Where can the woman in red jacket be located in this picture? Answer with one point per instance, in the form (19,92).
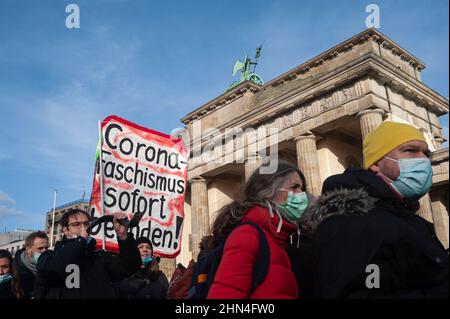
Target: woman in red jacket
(274,202)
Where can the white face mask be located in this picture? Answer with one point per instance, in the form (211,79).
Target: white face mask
(71,236)
(36,256)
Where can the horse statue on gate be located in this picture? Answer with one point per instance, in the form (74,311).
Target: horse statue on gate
(245,68)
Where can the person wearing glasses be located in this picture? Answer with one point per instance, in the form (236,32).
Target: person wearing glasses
(76,270)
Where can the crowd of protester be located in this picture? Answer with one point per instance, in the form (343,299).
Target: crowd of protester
(360,238)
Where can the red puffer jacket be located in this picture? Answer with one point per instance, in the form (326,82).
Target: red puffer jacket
(234,275)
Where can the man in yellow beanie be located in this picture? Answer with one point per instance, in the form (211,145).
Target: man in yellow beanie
(399,154)
(368,241)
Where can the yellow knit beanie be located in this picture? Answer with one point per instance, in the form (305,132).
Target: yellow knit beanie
(386,138)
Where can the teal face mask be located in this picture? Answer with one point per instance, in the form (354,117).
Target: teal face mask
(147,260)
(5,278)
(415,177)
(295,206)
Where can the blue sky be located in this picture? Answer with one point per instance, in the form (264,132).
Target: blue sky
(152,62)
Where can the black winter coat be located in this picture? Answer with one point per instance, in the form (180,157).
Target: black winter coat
(360,222)
(98,269)
(5,291)
(300,251)
(144,284)
(301,265)
(26,276)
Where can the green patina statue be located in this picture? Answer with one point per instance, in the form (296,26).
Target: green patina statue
(246,73)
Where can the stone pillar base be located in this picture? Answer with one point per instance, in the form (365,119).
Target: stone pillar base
(425,208)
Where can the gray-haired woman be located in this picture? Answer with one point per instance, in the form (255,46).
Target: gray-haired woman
(273,202)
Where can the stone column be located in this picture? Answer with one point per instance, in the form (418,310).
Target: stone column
(308,162)
(167,266)
(369,120)
(440,217)
(252,163)
(425,208)
(199,212)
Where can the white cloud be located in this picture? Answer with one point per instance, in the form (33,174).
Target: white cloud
(58,130)
(10,212)
(60,134)
(12,216)
(6,198)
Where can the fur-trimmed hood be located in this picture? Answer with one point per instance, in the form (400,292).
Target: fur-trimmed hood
(342,201)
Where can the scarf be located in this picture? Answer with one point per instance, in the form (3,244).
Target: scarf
(28,262)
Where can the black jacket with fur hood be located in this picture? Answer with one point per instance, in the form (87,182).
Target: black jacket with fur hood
(360,227)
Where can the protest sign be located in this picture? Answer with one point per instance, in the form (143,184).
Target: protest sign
(140,171)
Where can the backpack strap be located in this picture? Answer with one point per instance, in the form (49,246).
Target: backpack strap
(210,262)
(205,270)
(262,263)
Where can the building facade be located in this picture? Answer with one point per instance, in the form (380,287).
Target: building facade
(13,241)
(59,211)
(315,115)
(10,236)
(14,246)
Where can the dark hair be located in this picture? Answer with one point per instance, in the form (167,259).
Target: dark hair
(15,287)
(206,245)
(258,189)
(303,179)
(64,222)
(29,241)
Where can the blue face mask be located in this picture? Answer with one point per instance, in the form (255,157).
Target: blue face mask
(5,278)
(295,206)
(36,256)
(415,177)
(147,260)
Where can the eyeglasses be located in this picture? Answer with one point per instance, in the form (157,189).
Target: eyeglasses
(78,224)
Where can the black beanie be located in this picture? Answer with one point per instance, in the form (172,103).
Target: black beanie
(144,240)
